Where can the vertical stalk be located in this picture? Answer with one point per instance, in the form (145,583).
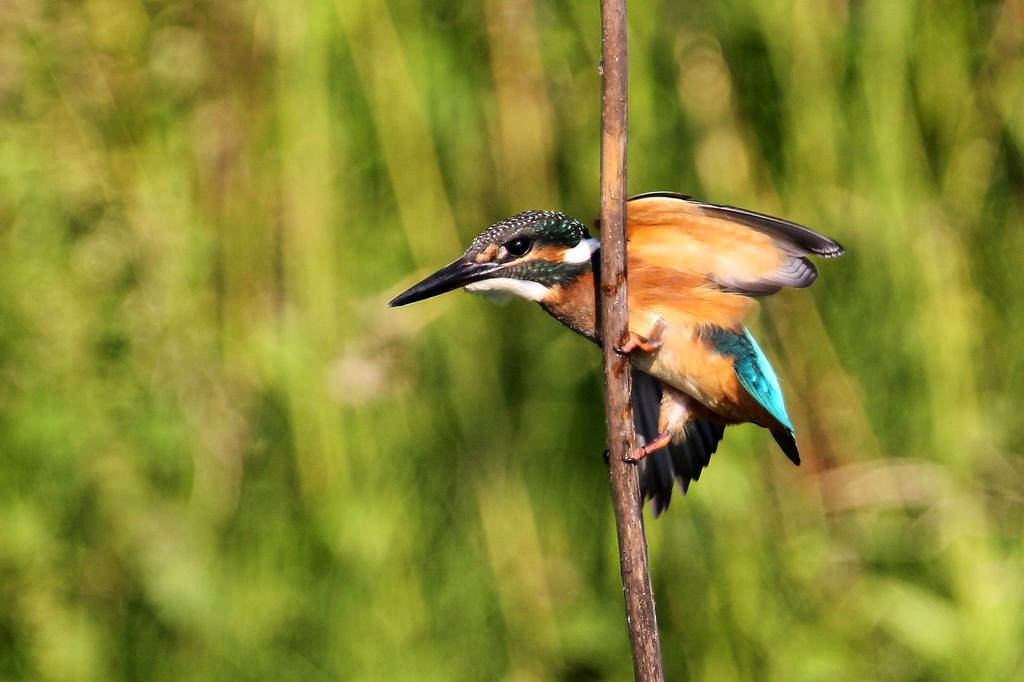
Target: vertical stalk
(636,578)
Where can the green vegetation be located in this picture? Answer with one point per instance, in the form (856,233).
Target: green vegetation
(222,456)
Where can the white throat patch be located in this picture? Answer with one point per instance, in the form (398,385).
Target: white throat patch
(582,252)
(502,289)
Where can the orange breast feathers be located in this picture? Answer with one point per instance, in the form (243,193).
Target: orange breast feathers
(686,362)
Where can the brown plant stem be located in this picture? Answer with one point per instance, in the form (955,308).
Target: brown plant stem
(636,579)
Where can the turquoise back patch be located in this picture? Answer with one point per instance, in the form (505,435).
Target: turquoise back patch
(753,370)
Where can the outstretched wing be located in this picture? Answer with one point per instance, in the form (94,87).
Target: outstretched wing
(677,462)
(736,250)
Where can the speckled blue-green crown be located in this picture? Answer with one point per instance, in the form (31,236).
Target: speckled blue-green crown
(549,227)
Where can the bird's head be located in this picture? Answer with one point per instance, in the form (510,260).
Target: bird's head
(527,255)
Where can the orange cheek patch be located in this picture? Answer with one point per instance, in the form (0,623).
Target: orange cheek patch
(488,254)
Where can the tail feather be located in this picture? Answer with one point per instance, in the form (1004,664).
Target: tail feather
(787,441)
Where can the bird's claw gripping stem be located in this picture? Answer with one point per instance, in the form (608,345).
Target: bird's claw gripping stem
(639,453)
(647,344)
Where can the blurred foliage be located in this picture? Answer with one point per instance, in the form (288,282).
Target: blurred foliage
(222,456)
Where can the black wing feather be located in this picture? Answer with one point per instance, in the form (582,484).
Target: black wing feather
(656,473)
(676,463)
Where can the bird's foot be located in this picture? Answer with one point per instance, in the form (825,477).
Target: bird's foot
(660,441)
(647,344)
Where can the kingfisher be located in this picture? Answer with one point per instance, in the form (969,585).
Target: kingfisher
(693,272)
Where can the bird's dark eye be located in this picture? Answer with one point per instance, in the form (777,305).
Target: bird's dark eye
(519,246)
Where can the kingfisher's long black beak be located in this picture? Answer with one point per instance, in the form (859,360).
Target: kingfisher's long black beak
(452,276)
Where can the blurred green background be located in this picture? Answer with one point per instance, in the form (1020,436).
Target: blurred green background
(223,457)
